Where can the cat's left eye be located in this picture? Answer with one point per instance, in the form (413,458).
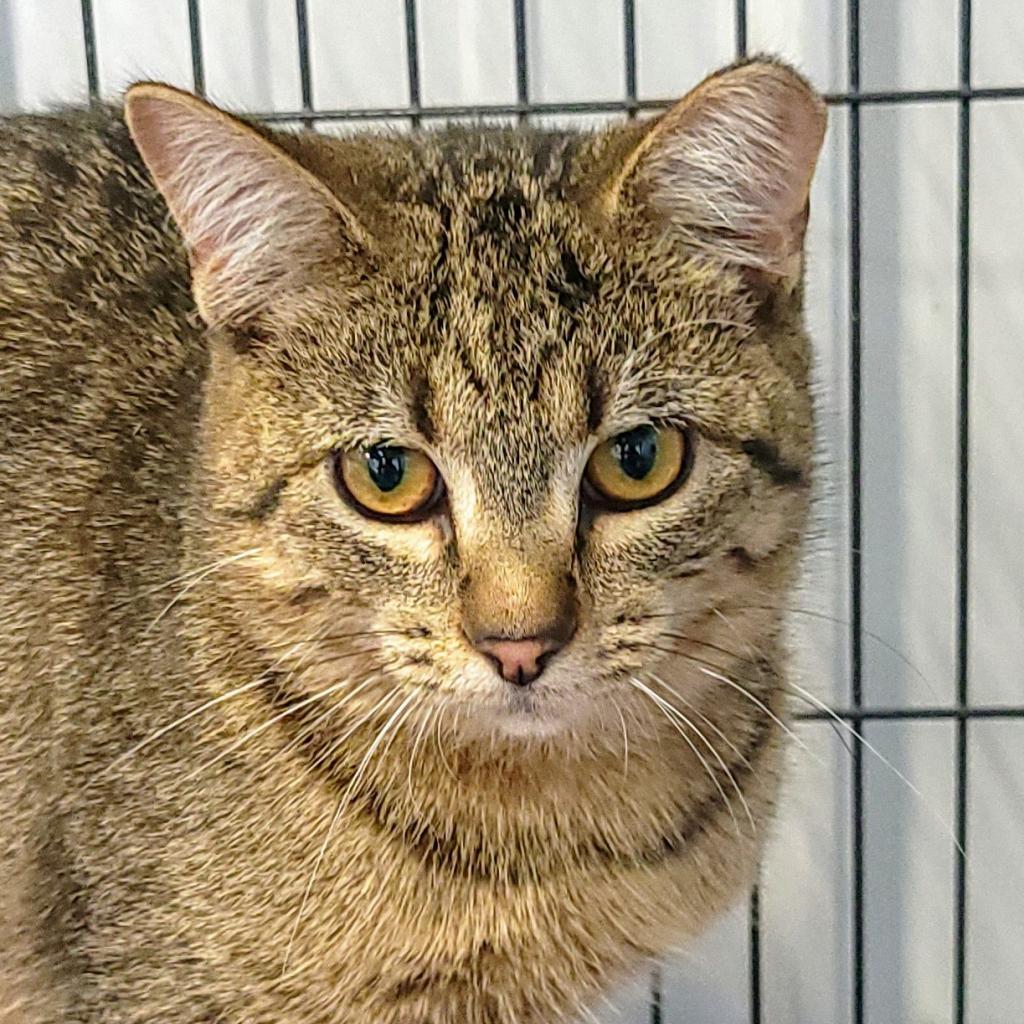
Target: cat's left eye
(639,467)
(389,482)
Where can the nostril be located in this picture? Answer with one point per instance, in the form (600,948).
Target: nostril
(518,661)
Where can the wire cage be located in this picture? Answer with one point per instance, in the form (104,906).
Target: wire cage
(857,710)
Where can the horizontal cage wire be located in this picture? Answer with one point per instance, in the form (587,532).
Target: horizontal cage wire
(856,713)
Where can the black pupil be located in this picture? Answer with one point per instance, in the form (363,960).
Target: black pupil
(386,466)
(636,451)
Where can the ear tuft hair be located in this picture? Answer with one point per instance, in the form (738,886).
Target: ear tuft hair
(255,221)
(729,166)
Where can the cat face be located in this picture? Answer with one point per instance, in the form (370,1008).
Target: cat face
(508,421)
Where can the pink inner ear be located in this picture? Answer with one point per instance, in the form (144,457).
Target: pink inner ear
(205,245)
(255,221)
(731,165)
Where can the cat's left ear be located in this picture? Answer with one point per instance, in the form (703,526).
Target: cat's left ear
(729,168)
(255,222)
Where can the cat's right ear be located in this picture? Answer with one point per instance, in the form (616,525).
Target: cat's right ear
(255,222)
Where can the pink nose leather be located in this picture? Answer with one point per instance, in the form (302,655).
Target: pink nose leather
(519,661)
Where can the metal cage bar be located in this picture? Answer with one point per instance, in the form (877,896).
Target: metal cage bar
(754,908)
(195,45)
(92,74)
(417,113)
(740,25)
(629,53)
(856,513)
(412,56)
(522,68)
(963,509)
(305,66)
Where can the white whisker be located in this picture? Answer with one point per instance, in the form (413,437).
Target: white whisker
(393,720)
(859,737)
(707,721)
(253,733)
(625,743)
(421,732)
(714,753)
(318,721)
(440,745)
(197,577)
(758,703)
(674,718)
(153,737)
(164,730)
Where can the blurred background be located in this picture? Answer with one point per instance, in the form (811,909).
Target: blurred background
(909,620)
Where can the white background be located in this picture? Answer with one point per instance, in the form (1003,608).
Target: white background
(909,343)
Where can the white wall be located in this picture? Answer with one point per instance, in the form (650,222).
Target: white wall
(909,338)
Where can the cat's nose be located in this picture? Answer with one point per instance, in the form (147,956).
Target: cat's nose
(519,661)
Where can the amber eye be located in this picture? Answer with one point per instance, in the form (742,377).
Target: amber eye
(388,482)
(638,468)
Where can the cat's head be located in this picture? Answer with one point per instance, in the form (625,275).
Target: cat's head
(499,420)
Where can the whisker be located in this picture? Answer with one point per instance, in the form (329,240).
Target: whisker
(859,737)
(813,614)
(197,578)
(701,667)
(734,654)
(153,737)
(764,707)
(332,824)
(707,721)
(262,728)
(311,727)
(336,637)
(668,711)
(164,730)
(394,718)
(353,727)
(625,742)
(714,752)
(149,591)
(752,656)
(440,745)
(828,721)
(415,747)
(835,721)
(874,637)
(717,648)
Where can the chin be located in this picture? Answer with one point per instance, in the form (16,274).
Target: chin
(518,724)
(526,715)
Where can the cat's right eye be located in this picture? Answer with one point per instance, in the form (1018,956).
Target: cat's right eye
(388,482)
(639,467)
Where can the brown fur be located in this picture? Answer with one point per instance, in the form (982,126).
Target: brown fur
(504,314)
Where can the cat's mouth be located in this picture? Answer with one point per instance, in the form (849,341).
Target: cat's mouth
(522,712)
(521,702)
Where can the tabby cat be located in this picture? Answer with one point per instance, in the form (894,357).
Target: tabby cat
(394,534)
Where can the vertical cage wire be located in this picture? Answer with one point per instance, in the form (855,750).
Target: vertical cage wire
(856,511)
(305,68)
(92,74)
(754,910)
(195,44)
(629,54)
(522,72)
(853,98)
(412,56)
(740,26)
(963,506)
